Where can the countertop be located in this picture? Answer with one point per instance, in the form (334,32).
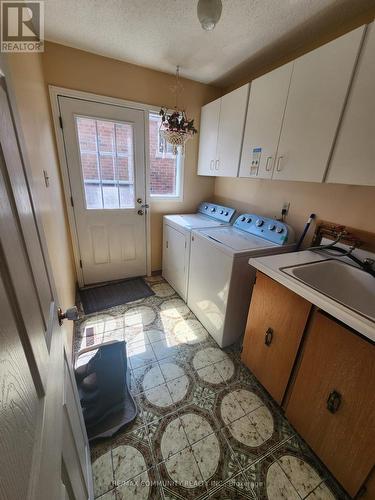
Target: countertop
(271,267)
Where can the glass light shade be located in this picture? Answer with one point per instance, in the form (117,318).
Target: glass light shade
(209,12)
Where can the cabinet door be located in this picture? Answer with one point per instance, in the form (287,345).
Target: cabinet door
(316,99)
(174,259)
(337,367)
(354,154)
(268,96)
(209,126)
(231,127)
(276,321)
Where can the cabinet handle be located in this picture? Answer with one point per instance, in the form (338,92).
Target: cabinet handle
(333,401)
(268,161)
(211,164)
(268,337)
(217,165)
(278,168)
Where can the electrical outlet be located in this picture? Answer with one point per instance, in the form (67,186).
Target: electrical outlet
(285,209)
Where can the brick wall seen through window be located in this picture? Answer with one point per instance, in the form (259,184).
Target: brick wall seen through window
(164,166)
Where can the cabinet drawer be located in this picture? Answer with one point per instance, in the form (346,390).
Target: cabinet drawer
(332,403)
(276,321)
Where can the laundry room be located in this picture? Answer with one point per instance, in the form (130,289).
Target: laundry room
(187,249)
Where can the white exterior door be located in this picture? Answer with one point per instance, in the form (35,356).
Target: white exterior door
(104,146)
(44,451)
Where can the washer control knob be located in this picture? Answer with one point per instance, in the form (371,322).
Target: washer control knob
(279,229)
(205,207)
(272,227)
(213,209)
(226,214)
(248,220)
(259,223)
(243,219)
(221,212)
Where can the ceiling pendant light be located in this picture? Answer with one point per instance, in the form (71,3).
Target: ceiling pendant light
(209,12)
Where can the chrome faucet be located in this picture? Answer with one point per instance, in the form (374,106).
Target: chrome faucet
(330,248)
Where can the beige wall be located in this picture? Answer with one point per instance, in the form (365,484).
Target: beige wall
(350,205)
(26,82)
(79,70)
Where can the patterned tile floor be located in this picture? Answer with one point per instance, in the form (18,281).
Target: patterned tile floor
(206,428)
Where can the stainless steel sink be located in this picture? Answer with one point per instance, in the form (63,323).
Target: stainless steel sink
(342,282)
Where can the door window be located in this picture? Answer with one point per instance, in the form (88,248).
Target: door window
(107,162)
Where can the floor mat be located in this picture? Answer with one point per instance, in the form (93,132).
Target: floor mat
(114,294)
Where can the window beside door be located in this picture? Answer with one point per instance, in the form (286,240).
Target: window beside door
(107,162)
(165,168)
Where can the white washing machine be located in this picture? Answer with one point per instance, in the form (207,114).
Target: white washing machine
(220,277)
(176,240)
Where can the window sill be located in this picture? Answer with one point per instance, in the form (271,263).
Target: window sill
(164,197)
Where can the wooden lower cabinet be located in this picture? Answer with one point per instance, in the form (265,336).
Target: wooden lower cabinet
(275,325)
(332,403)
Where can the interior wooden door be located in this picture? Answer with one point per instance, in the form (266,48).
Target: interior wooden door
(338,367)
(36,459)
(276,321)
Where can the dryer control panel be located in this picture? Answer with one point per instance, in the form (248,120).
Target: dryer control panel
(218,212)
(270,229)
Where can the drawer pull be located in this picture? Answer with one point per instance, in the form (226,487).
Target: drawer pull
(334,402)
(269,336)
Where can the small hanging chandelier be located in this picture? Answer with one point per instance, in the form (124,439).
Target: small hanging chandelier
(175,127)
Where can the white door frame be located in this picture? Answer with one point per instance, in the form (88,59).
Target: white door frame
(54,93)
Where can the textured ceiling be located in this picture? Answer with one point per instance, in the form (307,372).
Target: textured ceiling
(161,34)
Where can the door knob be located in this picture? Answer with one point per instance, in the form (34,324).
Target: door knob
(139,200)
(71,314)
(140,212)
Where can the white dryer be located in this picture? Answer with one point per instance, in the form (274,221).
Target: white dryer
(220,278)
(176,240)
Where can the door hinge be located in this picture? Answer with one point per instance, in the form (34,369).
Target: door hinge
(80,263)
(61,122)
(166,244)
(71,201)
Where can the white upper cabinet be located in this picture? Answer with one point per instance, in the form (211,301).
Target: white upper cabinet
(231,126)
(268,96)
(221,133)
(353,160)
(209,126)
(317,94)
